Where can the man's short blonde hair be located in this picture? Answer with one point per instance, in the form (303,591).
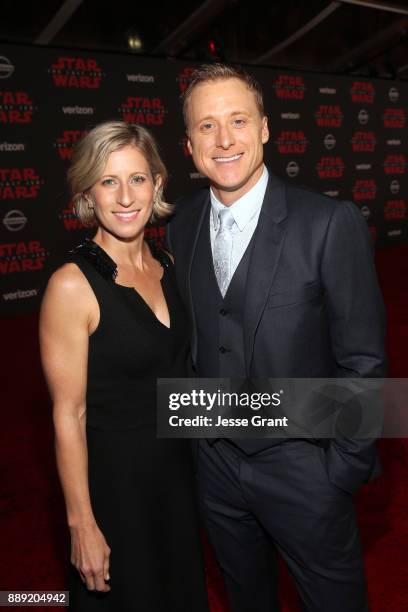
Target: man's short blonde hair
(90,158)
(207,73)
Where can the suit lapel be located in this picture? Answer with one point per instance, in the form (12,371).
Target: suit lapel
(267,245)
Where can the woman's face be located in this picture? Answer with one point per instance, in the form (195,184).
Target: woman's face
(123,196)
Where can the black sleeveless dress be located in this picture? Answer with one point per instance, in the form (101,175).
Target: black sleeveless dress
(141,487)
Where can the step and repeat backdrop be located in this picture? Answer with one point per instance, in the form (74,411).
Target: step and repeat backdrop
(341,136)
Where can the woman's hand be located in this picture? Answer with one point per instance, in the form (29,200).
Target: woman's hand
(90,555)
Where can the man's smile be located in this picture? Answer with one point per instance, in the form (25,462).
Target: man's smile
(230,158)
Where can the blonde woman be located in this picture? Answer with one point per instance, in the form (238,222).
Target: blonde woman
(111,323)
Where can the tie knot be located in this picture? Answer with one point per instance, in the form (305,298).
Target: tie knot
(226,219)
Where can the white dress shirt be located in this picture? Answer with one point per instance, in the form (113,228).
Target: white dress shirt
(246,212)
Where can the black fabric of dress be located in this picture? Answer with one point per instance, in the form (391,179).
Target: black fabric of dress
(142,487)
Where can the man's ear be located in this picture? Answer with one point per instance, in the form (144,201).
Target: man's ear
(265,130)
(189,147)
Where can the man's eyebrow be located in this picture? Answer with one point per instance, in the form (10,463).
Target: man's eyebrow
(207,118)
(212,118)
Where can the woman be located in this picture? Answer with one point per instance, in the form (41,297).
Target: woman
(111,323)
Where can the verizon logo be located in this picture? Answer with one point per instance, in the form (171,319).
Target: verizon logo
(18,295)
(77,110)
(140,78)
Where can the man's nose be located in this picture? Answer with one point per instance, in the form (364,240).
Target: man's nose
(225,136)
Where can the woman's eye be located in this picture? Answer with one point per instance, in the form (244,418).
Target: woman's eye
(138,179)
(108,181)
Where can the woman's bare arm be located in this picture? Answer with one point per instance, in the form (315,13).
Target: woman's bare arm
(69,314)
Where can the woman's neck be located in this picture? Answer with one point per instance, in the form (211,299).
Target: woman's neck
(123,252)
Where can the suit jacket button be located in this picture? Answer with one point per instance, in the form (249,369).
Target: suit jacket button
(223,349)
(223,312)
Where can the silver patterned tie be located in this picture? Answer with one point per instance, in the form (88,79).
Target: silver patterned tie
(223,250)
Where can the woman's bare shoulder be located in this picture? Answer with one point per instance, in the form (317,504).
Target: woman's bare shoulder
(68,283)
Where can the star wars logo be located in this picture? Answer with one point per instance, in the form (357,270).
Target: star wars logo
(16,107)
(70,220)
(394,118)
(395,164)
(289,87)
(395,210)
(184,77)
(65,143)
(329,115)
(362,92)
(364,189)
(146,111)
(76,72)
(156,233)
(363,142)
(19,183)
(22,257)
(292,142)
(330,167)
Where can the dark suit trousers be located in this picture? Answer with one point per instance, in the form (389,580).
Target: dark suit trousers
(280,499)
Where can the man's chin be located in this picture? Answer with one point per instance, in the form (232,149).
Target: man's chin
(228,187)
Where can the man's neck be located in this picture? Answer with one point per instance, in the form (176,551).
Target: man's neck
(228,198)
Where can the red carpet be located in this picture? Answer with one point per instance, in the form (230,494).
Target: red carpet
(34,539)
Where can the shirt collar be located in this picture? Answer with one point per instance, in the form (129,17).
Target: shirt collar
(246,207)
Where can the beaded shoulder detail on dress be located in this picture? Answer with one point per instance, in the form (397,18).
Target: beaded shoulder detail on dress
(96,256)
(162,257)
(105,265)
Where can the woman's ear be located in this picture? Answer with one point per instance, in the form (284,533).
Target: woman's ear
(158,183)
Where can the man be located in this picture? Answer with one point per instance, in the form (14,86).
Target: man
(280,283)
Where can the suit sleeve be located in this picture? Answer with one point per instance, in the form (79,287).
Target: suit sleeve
(354,302)
(357,328)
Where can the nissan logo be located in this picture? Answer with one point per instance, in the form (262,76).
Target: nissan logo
(292,169)
(363,116)
(329,141)
(14,220)
(394,187)
(393,94)
(6,67)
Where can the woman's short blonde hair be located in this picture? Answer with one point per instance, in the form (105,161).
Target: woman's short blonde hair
(91,155)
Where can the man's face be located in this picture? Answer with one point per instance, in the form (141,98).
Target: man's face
(226,134)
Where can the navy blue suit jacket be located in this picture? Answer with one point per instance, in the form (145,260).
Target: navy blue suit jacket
(313,307)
